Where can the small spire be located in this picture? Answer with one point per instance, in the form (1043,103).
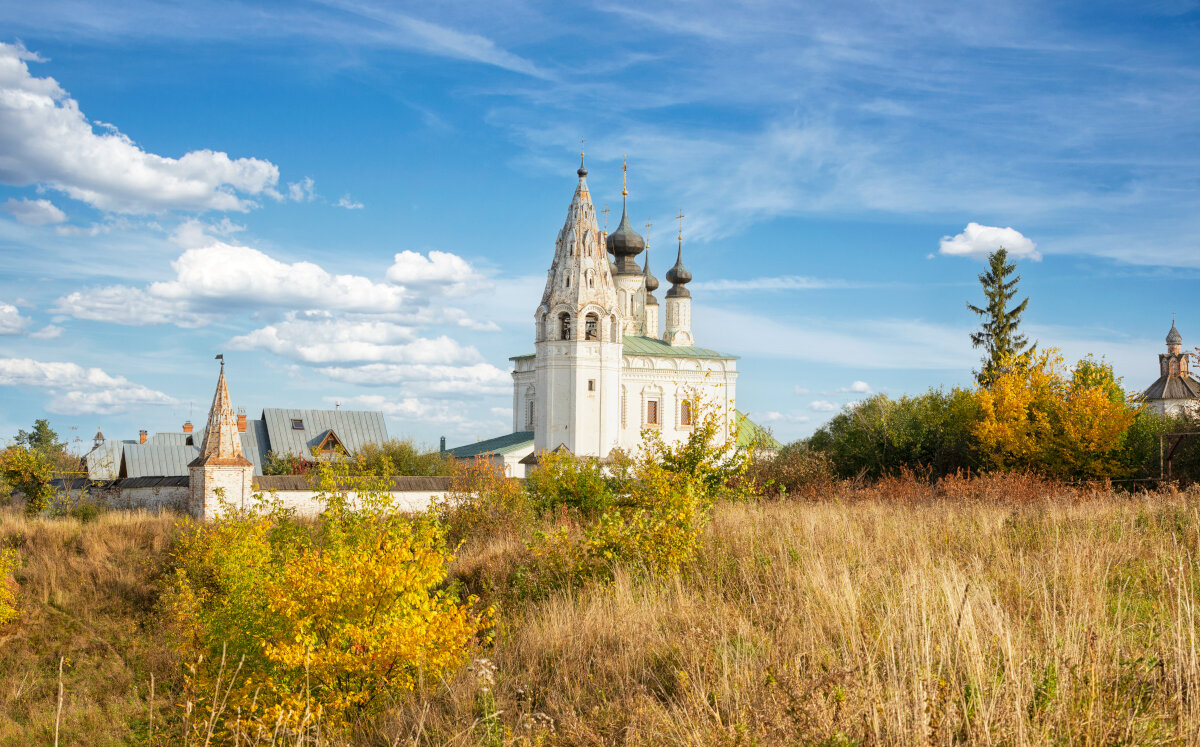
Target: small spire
(681,216)
(582,169)
(624,174)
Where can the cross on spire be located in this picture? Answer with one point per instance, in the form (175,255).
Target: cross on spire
(624,173)
(605,211)
(681,216)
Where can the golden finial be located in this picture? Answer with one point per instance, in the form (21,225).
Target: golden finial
(681,216)
(624,172)
(605,211)
(648,227)
(581,141)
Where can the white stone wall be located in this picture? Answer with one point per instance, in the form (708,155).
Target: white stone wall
(1175,407)
(651,326)
(306,504)
(173,498)
(577,385)
(669,381)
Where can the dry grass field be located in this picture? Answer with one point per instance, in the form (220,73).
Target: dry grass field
(985,612)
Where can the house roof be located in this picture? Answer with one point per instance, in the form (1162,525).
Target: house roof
(354,428)
(156,460)
(1175,386)
(498,445)
(104,461)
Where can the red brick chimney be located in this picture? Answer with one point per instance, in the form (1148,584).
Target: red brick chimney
(241,420)
(141,437)
(188,427)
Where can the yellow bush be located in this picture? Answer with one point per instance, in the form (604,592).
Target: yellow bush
(8,586)
(311,623)
(1037,414)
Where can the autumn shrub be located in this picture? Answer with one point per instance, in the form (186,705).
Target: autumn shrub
(797,470)
(1038,414)
(29,471)
(316,622)
(8,585)
(275,463)
(483,503)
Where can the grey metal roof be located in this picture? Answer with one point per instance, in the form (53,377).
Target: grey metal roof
(168,481)
(175,439)
(1173,387)
(155,460)
(497,445)
(255,444)
(355,429)
(104,461)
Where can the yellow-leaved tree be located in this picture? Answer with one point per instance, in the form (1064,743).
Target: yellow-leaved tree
(300,625)
(1036,413)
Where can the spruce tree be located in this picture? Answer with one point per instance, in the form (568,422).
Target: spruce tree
(998,334)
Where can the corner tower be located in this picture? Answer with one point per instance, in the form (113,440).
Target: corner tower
(578,339)
(679,299)
(221,470)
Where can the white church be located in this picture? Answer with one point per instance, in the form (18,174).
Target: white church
(605,367)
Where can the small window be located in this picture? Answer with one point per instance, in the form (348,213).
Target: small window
(529,418)
(591,385)
(564,323)
(652,412)
(297,424)
(685,412)
(590,328)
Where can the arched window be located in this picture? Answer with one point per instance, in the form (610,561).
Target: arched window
(529,415)
(564,326)
(612,328)
(591,279)
(591,327)
(685,413)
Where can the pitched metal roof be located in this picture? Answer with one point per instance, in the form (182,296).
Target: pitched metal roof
(104,461)
(498,445)
(635,345)
(1173,387)
(174,439)
(751,433)
(255,444)
(156,460)
(355,429)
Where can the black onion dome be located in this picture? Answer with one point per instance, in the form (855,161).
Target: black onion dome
(651,281)
(679,276)
(625,244)
(1173,337)
(582,169)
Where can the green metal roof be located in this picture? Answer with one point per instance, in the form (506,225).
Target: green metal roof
(753,434)
(497,445)
(650,346)
(522,357)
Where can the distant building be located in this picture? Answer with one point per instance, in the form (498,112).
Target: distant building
(308,434)
(1175,392)
(602,371)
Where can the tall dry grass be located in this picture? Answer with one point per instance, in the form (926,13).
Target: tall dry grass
(989,621)
(87,597)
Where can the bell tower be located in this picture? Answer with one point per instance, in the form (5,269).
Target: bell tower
(578,339)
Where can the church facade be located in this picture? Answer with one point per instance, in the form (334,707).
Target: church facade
(606,365)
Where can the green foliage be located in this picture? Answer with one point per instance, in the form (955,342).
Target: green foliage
(8,585)
(403,456)
(998,334)
(308,622)
(41,438)
(275,463)
(562,481)
(880,435)
(29,471)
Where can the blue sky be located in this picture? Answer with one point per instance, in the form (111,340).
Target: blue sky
(357,202)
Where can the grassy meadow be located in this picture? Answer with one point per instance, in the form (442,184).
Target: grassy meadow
(986,611)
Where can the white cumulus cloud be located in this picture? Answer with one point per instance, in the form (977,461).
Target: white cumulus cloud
(858,387)
(449,272)
(345,201)
(75,390)
(347,341)
(11,321)
(34,212)
(822,405)
(978,241)
(46,139)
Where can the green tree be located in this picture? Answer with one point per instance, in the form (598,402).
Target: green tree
(42,438)
(998,334)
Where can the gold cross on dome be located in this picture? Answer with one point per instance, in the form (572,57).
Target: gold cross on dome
(605,211)
(681,216)
(581,141)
